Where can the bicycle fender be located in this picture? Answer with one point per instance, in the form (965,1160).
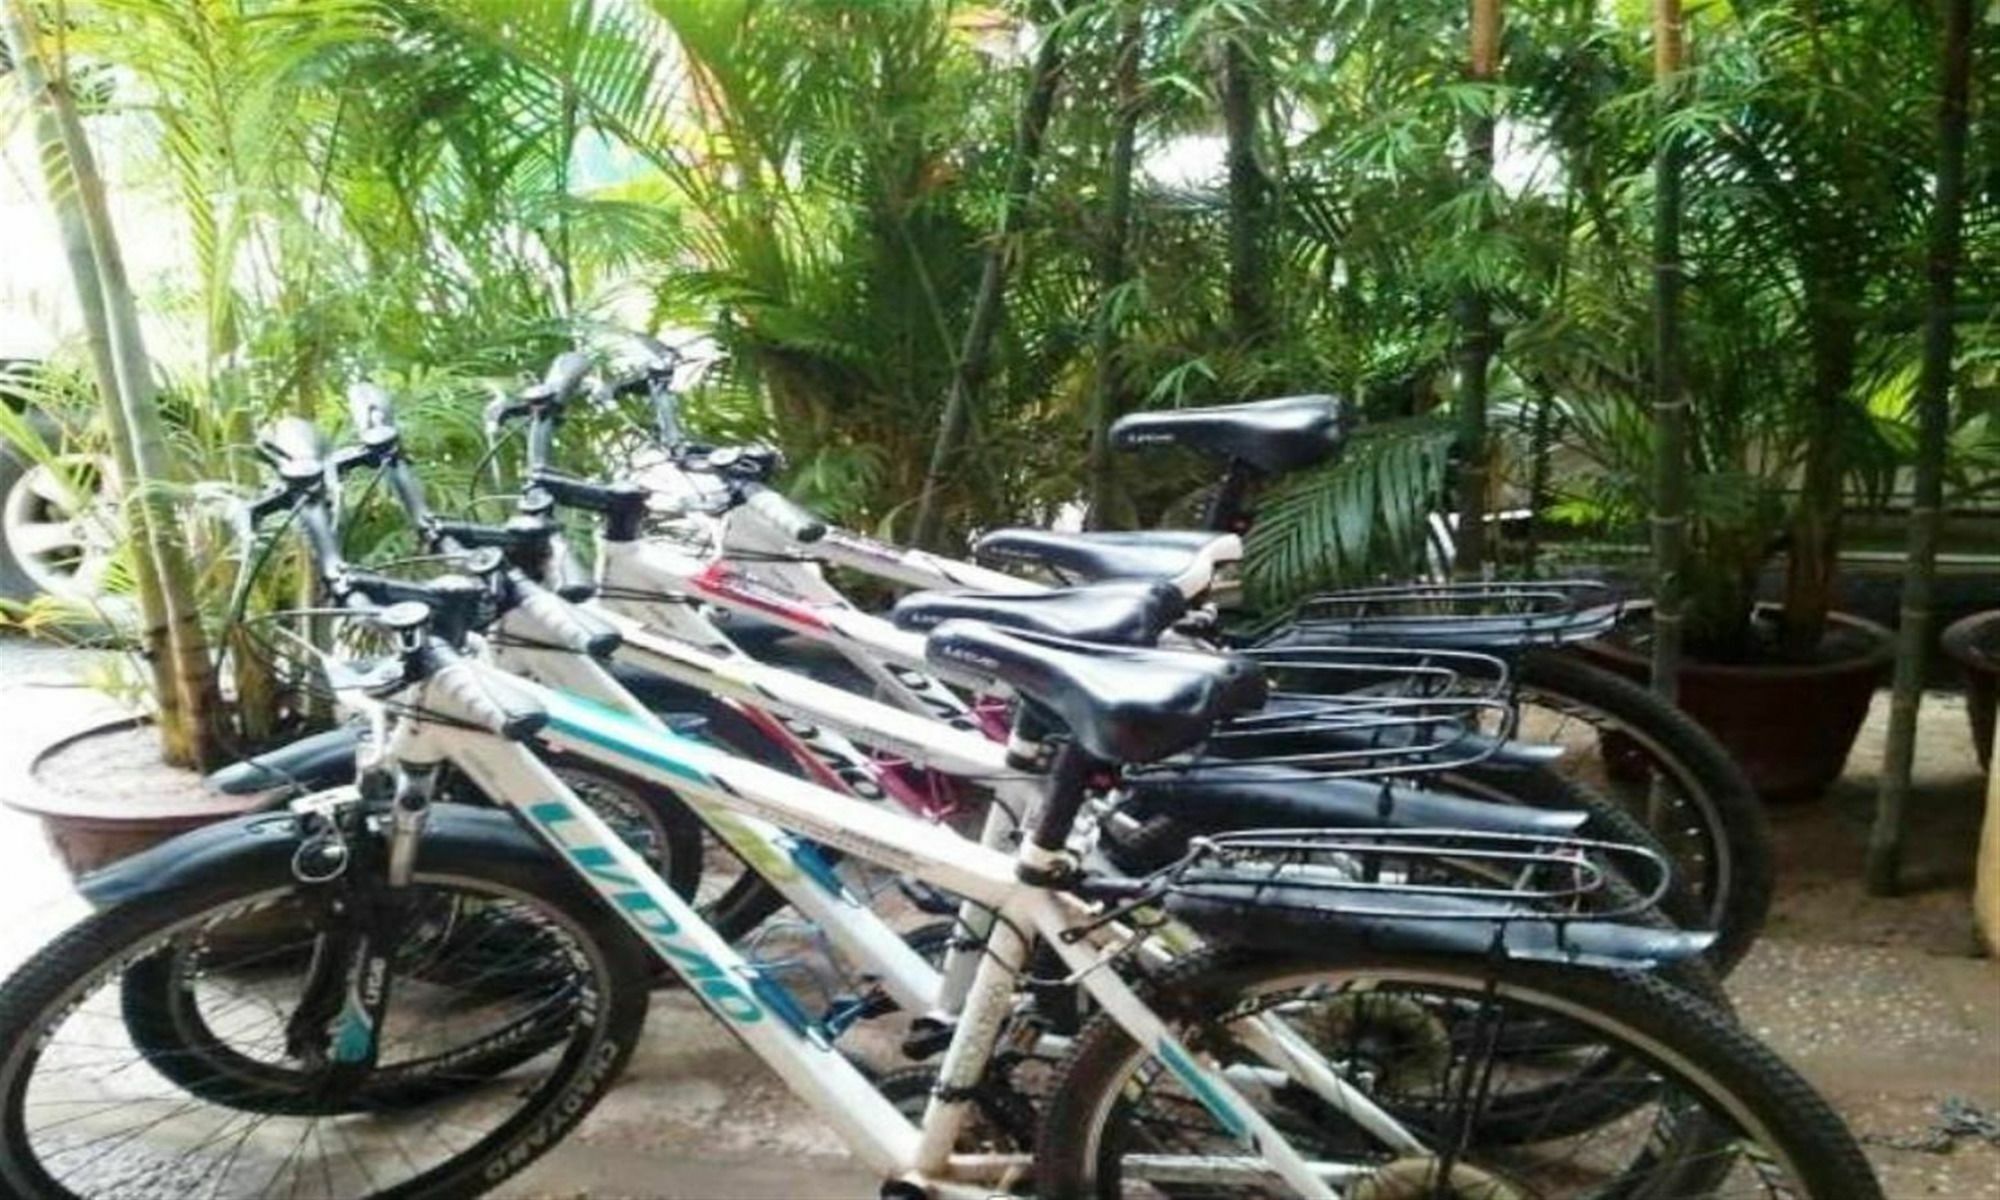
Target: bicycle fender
(310,764)
(1292,920)
(261,845)
(1211,799)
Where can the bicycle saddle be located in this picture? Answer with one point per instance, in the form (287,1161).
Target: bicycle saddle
(1186,559)
(1122,705)
(1122,614)
(1274,436)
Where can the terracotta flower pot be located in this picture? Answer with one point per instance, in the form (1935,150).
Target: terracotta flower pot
(1974,643)
(1790,725)
(138,805)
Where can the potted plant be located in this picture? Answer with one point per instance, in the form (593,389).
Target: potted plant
(1803,197)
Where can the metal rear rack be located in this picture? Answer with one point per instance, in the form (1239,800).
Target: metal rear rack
(1382,671)
(1438,874)
(1475,615)
(1353,736)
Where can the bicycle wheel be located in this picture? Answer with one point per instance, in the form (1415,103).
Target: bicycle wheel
(470,1085)
(471,948)
(1654,761)
(1722,1115)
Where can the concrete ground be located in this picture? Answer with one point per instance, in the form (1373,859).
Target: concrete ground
(1884,1004)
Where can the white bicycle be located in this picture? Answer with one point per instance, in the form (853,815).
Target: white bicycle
(1350,1031)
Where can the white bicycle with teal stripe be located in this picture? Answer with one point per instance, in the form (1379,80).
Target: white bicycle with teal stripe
(1329,1043)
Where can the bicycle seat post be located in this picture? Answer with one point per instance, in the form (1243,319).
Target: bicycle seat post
(1044,859)
(1228,511)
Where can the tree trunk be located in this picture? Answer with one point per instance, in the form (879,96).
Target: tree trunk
(1475,317)
(984,323)
(1108,394)
(1885,840)
(1249,283)
(189,702)
(1670,403)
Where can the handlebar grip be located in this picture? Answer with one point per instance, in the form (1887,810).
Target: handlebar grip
(370,408)
(568,576)
(565,376)
(484,697)
(795,522)
(298,450)
(575,629)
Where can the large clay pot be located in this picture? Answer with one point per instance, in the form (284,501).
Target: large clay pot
(1974,642)
(1789,725)
(90,831)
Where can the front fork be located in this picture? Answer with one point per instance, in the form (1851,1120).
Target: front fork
(355,864)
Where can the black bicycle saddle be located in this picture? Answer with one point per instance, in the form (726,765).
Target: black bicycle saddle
(1273,436)
(1185,558)
(1123,705)
(1121,614)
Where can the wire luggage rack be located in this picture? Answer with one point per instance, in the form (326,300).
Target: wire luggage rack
(1375,671)
(1362,712)
(1423,874)
(1479,614)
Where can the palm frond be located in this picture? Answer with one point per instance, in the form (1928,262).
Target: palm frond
(1357,518)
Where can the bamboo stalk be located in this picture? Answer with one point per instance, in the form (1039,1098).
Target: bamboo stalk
(1475,318)
(1913,633)
(983,325)
(57,179)
(1114,266)
(1249,282)
(189,701)
(1670,402)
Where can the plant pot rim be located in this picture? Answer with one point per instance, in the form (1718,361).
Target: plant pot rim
(1961,641)
(1879,654)
(24,791)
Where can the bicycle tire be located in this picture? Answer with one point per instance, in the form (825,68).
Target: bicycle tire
(1655,1024)
(163,1019)
(1544,788)
(55,986)
(1735,827)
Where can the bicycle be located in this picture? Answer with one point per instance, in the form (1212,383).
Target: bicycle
(1254,1103)
(766,544)
(1646,753)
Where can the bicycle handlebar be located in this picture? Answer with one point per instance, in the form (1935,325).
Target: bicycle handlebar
(567,574)
(795,522)
(485,698)
(371,409)
(576,630)
(294,447)
(562,380)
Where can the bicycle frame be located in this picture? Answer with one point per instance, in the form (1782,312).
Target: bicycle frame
(794,868)
(753,1006)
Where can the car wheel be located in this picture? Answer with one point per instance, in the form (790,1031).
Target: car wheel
(58,527)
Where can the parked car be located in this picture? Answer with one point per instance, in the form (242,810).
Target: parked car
(57,529)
